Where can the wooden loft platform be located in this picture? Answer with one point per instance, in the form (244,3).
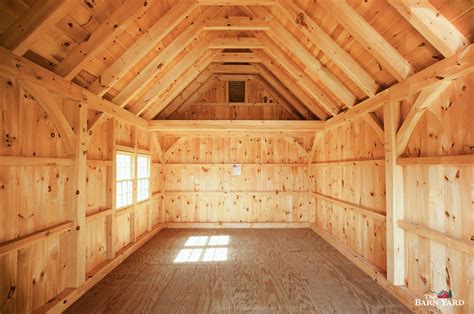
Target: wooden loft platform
(121,118)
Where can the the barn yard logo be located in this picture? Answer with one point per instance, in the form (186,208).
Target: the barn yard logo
(441,298)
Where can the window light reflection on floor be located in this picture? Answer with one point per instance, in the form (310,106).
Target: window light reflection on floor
(216,253)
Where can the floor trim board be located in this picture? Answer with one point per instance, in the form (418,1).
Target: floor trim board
(401,293)
(70,295)
(241,225)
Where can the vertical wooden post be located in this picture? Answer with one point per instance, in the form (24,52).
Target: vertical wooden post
(133,228)
(394,197)
(112,193)
(77,211)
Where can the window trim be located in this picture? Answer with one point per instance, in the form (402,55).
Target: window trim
(138,178)
(132,166)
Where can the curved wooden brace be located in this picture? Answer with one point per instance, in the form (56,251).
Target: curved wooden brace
(44,98)
(181,141)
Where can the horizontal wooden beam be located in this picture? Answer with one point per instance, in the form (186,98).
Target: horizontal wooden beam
(464,246)
(99,163)
(235,43)
(20,68)
(238,225)
(29,239)
(369,212)
(238,23)
(234,125)
(455,160)
(231,193)
(99,214)
(350,162)
(234,57)
(451,68)
(236,104)
(236,2)
(234,69)
(17,161)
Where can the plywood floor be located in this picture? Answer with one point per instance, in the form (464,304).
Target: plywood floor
(269,270)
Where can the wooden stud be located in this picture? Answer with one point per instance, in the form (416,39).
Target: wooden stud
(394,198)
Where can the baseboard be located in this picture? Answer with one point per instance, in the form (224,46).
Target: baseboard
(236,225)
(401,293)
(70,295)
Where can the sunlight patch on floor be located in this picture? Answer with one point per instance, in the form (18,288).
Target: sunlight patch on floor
(201,251)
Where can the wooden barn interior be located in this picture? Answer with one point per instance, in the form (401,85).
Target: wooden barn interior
(236,156)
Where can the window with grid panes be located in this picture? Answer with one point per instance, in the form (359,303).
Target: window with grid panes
(143,177)
(124,179)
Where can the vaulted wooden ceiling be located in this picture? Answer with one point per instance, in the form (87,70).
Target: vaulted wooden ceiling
(318,58)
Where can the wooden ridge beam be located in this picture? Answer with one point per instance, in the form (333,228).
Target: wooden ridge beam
(426,98)
(372,41)
(30,26)
(461,245)
(141,47)
(75,61)
(432,25)
(459,65)
(29,239)
(320,38)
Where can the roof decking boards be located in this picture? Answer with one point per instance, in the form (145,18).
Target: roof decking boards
(351,117)
(143,56)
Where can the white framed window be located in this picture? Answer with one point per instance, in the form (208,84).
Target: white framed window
(143,177)
(124,179)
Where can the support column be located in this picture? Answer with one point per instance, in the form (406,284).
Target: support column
(77,210)
(394,197)
(112,193)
